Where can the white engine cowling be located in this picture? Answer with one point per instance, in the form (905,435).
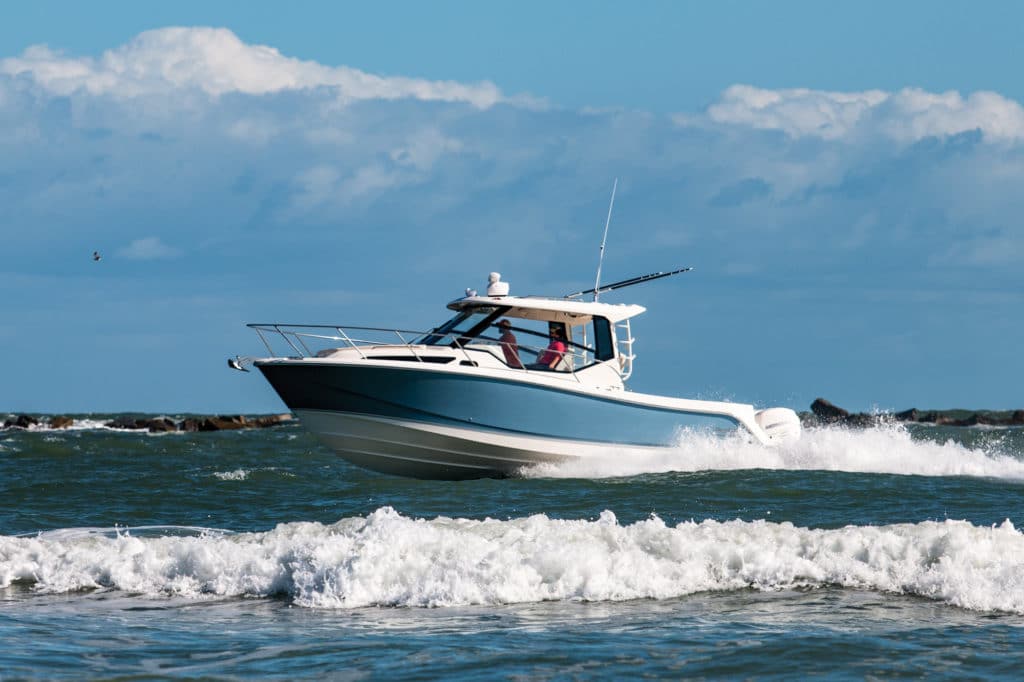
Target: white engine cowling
(780,423)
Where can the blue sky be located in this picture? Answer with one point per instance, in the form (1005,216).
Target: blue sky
(844,178)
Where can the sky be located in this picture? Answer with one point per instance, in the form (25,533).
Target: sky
(844,178)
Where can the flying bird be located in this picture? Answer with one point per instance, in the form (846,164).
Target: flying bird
(96,255)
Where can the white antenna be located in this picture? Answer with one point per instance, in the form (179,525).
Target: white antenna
(600,258)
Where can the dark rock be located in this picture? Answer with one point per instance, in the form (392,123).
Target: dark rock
(862,419)
(232,422)
(824,412)
(960,417)
(163,424)
(22,421)
(190,425)
(808,419)
(159,425)
(125,422)
(827,412)
(61,422)
(223,423)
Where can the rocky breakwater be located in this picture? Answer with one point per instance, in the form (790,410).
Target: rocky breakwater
(824,412)
(157,424)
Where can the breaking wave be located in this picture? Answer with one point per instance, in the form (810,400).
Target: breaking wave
(386,559)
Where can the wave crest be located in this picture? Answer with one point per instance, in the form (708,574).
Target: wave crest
(386,559)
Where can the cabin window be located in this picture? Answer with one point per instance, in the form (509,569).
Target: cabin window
(532,336)
(604,348)
(479,326)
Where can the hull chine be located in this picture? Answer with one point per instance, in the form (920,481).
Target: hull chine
(421,450)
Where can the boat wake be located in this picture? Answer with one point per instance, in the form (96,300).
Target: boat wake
(386,559)
(886,449)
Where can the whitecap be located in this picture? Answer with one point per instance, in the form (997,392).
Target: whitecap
(386,559)
(236,475)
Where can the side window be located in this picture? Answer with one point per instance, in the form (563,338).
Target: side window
(604,348)
(532,336)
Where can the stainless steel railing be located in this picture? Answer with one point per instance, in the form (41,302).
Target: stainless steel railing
(309,340)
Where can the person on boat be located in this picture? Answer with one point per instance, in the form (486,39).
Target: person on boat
(509,345)
(550,358)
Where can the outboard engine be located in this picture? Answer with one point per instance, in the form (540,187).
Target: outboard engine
(780,423)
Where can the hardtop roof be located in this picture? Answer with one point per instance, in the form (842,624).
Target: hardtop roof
(559,309)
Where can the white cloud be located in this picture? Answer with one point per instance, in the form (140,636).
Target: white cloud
(216,62)
(148,248)
(796,112)
(194,133)
(904,116)
(917,114)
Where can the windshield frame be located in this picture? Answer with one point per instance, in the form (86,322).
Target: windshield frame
(439,335)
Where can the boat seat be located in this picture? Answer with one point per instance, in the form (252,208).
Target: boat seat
(565,364)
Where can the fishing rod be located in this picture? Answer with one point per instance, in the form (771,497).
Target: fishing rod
(628,282)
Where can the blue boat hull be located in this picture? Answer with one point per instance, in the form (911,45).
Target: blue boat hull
(474,413)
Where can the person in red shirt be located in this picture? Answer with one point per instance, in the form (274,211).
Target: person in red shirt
(555,350)
(509,345)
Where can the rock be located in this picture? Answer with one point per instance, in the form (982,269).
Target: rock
(159,425)
(124,422)
(22,421)
(236,421)
(273,420)
(222,423)
(162,424)
(862,419)
(956,417)
(827,412)
(190,425)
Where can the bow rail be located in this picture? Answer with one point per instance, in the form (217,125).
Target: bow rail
(317,341)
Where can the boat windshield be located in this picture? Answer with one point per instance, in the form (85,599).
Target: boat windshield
(462,328)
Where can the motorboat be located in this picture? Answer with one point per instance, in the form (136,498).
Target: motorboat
(508,382)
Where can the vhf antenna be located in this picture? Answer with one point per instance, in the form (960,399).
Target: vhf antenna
(596,291)
(600,257)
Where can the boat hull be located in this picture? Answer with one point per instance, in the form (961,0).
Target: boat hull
(434,423)
(430,451)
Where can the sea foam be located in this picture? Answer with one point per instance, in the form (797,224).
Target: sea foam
(386,559)
(885,449)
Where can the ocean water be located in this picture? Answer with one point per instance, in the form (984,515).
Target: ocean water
(878,553)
